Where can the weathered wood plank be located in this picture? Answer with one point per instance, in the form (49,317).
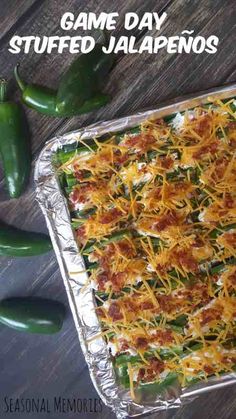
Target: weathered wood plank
(13,11)
(217,404)
(167,76)
(46,21)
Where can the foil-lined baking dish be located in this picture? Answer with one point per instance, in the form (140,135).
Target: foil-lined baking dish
(79,291)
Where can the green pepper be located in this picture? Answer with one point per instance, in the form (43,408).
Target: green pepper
(122,377)
(146,389)
(85,213)
(158,387)
(43,99)
(232,105)
(121,361)
(219,267)
(130,132)
(164,353)
(71,180)
(67,153)
(115,237)
(169,118)
(83,80)
(15,242)
(14,144)
(180,320)
(32,314)
(218,230)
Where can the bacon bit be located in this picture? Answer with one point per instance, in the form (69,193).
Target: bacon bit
(232,278)
(100,312)
(150,376)
(104,263)
(163,337)
(215,278)
(120,158)
(166,162)
(211,314)
(109,250)
(141,343)
(186,259)
(130,305)
(104,260)
(200,291)
(222,213)
(232,125)
(210,148)
(105,155)
(80,174)
(209,370)
(146,305)
(166,302)
(126,249)
(198,242)
(160,121)
(118,281)
(110,216)
(162,269)
(143,142)
(229,201)
(230,238)
(229,359)
(74,196)
(196,292)
(155,193)
(178,190)
(114,311)
(80,194)
(220,209)
(81,234)
(102,278)
(203,125)
(179,186)
(157,365)
(141,374)
(124,345)
(232,143)
(165,221)
(220,167)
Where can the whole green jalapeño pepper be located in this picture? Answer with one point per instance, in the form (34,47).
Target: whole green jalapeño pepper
(44,100)
(14,144)
(84,79)
(32,314)
(37,97)
(15,242)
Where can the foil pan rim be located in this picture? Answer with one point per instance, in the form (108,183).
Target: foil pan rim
(54,207)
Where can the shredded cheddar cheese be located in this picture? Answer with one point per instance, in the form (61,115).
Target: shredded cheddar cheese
(158,224)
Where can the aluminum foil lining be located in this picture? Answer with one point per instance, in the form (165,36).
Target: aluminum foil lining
(79,290)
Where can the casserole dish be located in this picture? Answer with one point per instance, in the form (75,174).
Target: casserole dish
(145,362)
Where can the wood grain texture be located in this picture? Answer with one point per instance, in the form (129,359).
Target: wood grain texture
(13,14)
(52,366)
(46,20)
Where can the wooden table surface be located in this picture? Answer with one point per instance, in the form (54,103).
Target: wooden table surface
(48,366)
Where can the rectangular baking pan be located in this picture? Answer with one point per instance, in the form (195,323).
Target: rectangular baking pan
(55,209)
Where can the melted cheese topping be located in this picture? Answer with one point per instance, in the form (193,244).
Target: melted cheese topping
(172,188)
